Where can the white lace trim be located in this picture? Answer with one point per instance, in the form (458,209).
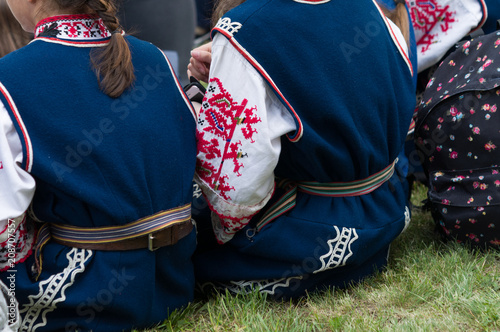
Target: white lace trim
(229,27)
(407,218)
(45,301)
(268,286)
(340,249)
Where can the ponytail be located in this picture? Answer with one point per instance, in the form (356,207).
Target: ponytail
(112,63)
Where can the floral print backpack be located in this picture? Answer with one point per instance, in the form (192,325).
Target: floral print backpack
(457,137)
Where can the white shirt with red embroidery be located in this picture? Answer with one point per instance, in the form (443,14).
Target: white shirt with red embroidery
(17,188)
(239,138)
(239,132)
(439,24)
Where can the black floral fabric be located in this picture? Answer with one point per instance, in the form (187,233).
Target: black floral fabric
(458,140)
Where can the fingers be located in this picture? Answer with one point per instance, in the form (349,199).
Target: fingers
(202,56)
(204,48)
(199,71)
(199,64)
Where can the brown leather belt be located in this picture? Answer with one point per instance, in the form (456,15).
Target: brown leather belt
(152,241)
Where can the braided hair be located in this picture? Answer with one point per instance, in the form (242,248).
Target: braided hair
(112,63)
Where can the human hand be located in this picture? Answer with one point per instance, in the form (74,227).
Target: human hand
(199,64)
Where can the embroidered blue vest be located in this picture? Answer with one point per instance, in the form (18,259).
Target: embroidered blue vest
(352,101)
(96,160)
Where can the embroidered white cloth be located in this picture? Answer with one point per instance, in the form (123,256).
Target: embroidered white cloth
(239,185)
(439,24)
(16,193)
(236,159)
(18,186)
(73,28)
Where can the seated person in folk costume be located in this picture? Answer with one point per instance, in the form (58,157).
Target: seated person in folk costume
(97,155)
(298,141)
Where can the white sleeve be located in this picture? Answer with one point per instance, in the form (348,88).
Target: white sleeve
(398,35)
(9,313)
(17,186)
(239,131)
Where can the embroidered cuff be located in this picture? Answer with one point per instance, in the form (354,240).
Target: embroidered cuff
(17,242)
(227,217)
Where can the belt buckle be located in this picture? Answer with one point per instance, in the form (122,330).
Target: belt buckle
(150,242)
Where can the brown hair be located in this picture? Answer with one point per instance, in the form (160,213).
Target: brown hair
(221,7)
(112,63)
(12,35)
(399,15)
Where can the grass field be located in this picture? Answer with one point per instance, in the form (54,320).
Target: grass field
(427,286)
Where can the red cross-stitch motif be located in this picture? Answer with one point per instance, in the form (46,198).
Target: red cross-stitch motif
(83,28)
(75,27)
(426,15)
(72,29)
(17,247)
(221,118)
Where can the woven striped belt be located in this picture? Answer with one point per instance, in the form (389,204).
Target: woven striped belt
(159,230)
(331,189)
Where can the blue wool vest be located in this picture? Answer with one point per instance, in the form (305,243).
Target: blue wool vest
(352,101)
(493,15)
(96,160)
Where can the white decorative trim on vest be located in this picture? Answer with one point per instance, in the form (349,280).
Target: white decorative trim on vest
(339,247)
(229,27)
(46,300)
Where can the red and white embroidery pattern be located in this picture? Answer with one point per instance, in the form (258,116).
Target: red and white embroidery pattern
(221,119)
(18,244)
(429,18)
(73,27)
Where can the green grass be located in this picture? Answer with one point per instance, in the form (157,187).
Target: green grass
(428,286)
